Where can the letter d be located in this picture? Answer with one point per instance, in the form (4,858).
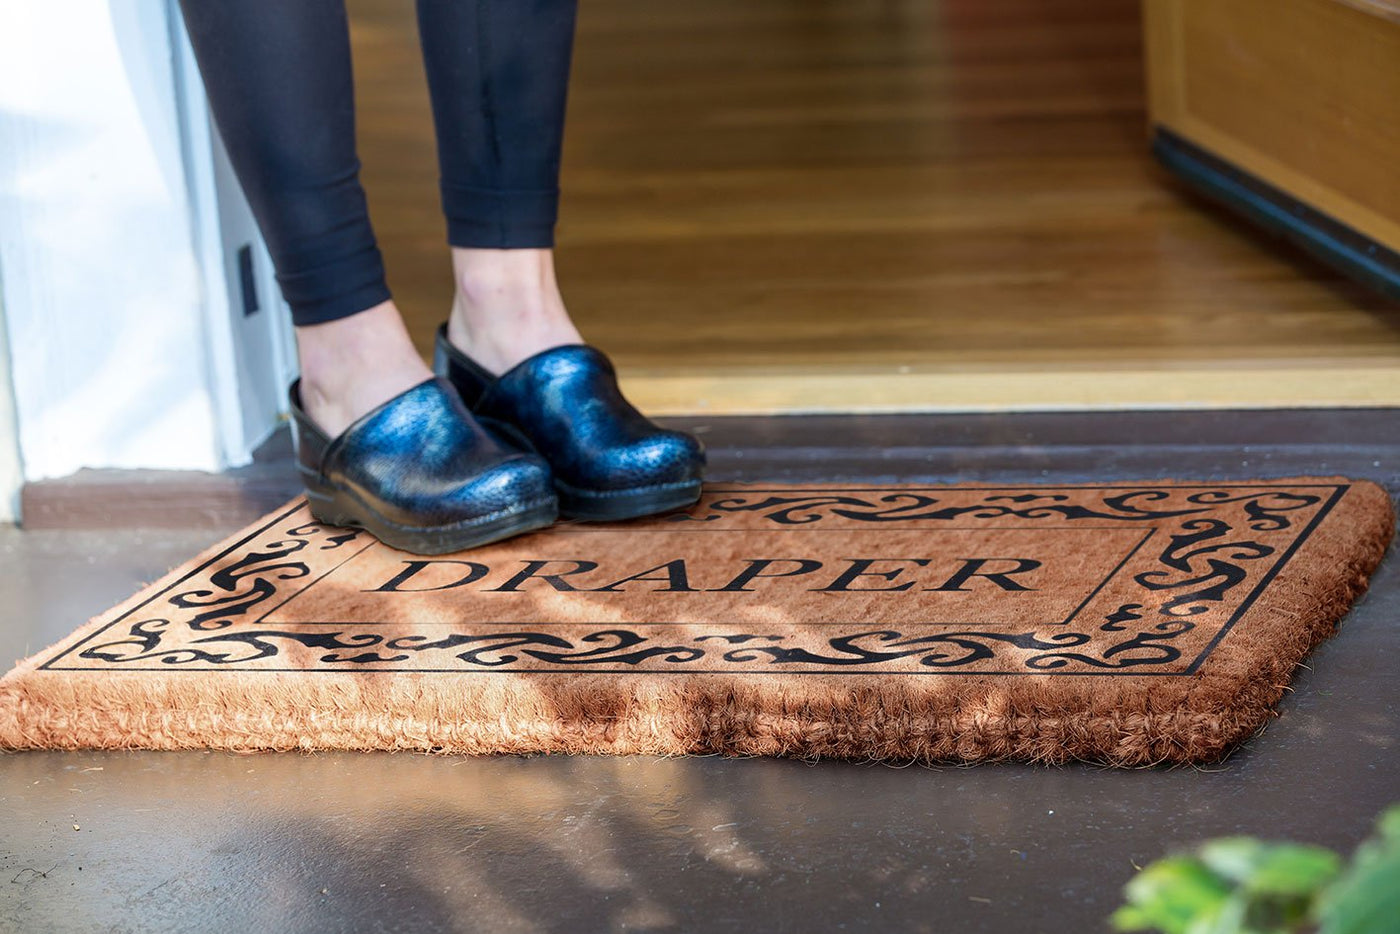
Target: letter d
(394,585)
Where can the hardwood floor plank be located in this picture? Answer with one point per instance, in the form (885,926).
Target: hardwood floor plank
(938,205)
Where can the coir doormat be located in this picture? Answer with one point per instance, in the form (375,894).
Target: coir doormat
(1126,624)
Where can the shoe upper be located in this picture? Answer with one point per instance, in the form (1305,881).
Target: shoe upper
(420,459)
(564,403)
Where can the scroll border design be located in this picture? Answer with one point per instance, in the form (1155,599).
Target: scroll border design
(1204,560)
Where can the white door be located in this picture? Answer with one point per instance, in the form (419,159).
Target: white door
(137,335)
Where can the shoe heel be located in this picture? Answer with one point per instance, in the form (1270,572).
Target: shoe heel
(324,508)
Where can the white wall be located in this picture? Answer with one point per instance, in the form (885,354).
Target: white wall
(11,470)
(124,343)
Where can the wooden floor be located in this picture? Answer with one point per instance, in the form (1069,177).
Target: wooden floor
(865,205)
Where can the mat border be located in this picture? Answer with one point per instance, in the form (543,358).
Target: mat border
(1339,490)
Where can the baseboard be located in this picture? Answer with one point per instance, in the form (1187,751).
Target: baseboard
(1343,248)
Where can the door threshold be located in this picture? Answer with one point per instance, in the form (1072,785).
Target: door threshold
(874,390)
(939,448)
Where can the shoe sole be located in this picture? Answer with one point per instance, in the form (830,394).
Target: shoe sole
(340,508)
(616,505)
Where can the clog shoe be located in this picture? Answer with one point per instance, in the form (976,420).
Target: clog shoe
(421,474)
(608,461)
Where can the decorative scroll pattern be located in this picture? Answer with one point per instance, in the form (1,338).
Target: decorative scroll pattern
(1211,547)
(1264,511)
(242,586)
(624,647)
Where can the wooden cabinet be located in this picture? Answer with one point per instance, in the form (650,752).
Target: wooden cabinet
(1290,111)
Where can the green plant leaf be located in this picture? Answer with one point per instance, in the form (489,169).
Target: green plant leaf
(1366,898)
(1290,869)
(1228,919)
(1388,824)
(1130,918)
(1171,894)
(1234,858)
(1240,885)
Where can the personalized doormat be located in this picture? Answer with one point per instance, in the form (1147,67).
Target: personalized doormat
(1125,624)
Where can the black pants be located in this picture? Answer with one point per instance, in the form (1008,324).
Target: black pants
(278,77)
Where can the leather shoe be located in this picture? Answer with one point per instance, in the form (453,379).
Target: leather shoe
(608,460)
(421,474)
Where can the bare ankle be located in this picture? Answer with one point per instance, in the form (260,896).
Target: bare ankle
(521,271)
(507,306)
(352,365)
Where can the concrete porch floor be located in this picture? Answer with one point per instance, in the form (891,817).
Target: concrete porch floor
(134,841)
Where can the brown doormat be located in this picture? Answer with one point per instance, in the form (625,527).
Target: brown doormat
(1126,624)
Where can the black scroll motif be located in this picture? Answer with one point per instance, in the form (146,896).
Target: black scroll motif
(618,646)
(1204,573)
(1145,647)
(625,647)
(909,507)
(943,650)
(258,567)
(250,580)
(611,646)
(1266,510)
(235,646)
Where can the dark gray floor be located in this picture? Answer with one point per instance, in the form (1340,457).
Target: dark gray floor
(212,842)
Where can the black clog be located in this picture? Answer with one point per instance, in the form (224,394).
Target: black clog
(608,460)
(421,474)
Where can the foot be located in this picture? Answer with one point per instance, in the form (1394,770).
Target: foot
(507,306)
(355,364)
(607,460)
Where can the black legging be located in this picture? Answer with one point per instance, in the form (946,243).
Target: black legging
(278,77)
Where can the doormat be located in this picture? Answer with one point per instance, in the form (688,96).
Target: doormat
(1124,624)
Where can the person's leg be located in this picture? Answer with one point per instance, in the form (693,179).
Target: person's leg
(498,73)
(278,77)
